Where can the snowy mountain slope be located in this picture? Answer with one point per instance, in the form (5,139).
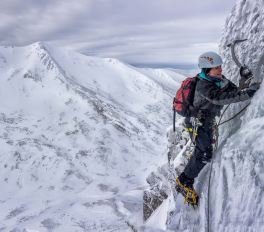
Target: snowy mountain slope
(236,192)
(78,137)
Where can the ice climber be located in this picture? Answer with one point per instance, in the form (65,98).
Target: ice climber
(212,91)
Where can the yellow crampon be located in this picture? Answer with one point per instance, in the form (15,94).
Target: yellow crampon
(190,195)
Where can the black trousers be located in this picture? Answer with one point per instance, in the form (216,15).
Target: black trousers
(203,149)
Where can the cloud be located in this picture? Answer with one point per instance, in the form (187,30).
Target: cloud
(149,31)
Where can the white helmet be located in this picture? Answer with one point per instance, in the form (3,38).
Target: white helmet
(209,60)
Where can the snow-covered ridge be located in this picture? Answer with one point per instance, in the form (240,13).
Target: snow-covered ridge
(78,137)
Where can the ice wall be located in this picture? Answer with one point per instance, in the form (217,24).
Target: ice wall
(237,188)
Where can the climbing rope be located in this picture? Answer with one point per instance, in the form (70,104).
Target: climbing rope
(219,124)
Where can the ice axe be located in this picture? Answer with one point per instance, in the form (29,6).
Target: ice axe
(244,70)
(232,45)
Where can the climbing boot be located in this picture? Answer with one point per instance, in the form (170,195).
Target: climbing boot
(188,192)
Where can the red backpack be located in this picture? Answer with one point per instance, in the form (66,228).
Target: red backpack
(183,101)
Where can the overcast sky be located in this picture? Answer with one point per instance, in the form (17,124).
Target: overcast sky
(162,32)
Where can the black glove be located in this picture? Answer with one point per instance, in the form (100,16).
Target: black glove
(245,72)
(253,88)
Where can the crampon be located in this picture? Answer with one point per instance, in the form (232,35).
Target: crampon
(189,194)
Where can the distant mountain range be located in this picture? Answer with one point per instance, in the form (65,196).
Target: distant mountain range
(78,137)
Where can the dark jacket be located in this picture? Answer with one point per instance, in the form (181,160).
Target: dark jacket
(212,94)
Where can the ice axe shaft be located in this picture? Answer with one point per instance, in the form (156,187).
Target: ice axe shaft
(174,118)
(232,45)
